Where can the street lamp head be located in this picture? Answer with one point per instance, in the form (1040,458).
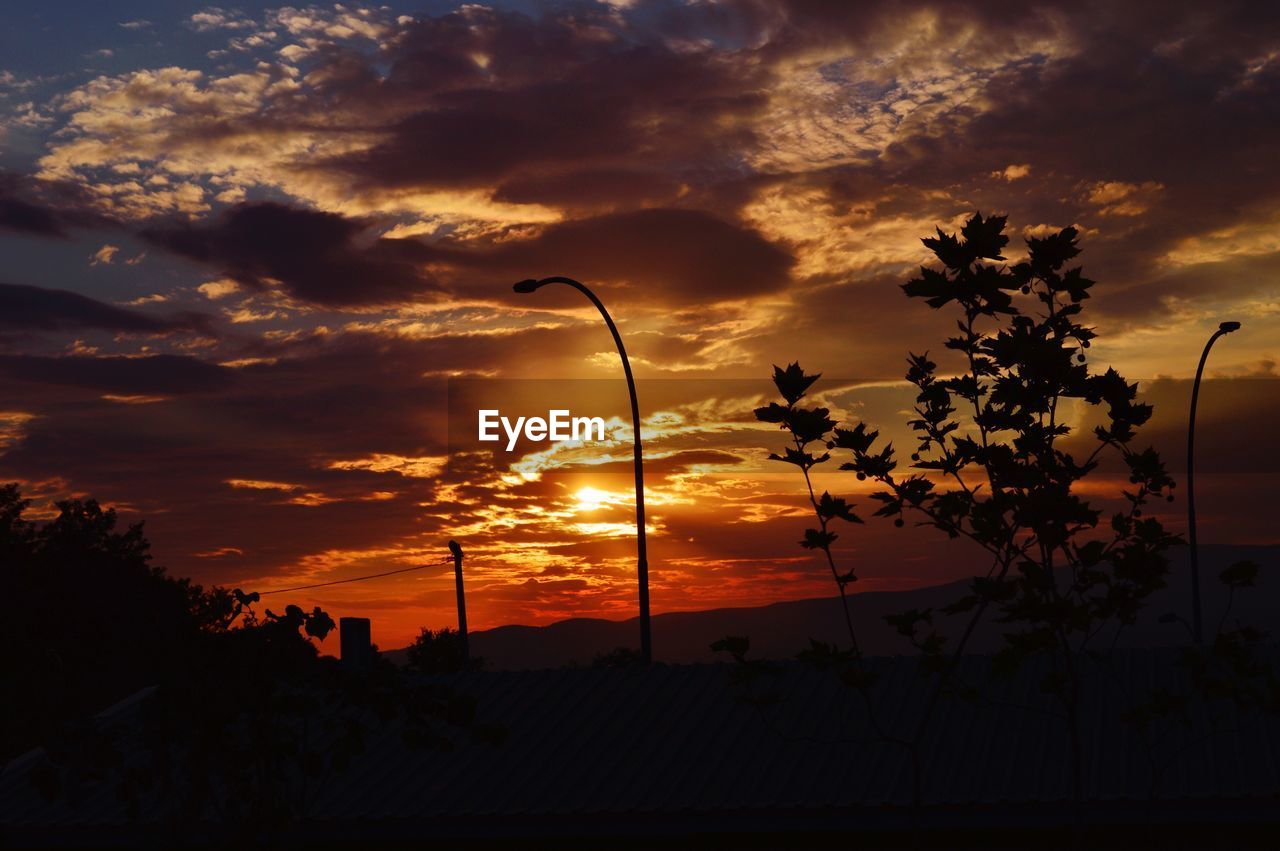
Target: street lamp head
(1228,327)
(527,286)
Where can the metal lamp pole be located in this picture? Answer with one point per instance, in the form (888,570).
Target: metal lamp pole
(642,558)
(1196,629)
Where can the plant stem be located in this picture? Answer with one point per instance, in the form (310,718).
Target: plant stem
(826,548)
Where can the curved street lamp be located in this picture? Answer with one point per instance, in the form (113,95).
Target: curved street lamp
(642,558)
(1196,630)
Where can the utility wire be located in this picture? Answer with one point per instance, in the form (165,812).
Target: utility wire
(354,579)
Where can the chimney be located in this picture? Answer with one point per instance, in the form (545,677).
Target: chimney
(357,651)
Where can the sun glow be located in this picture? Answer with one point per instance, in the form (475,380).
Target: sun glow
(592,499)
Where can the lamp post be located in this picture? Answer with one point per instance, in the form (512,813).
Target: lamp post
(1196,629)
(642,558)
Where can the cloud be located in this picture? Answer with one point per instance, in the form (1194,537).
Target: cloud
(257,484)
(677,256)
(163,141)
(104,255)
(218,289)
(627,104)
(153,298)
(42,208)
(1013,172)
(1117,198)
(220,552)
(217,18)
(318,257)
(591,188)
(442,108)
(124,376)
(29,308)
(343,22)
(25,217)
(681,256)
(422,468)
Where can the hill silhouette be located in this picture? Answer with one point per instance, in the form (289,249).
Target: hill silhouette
(780,630)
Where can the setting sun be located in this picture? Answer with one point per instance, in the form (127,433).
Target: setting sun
(591,499)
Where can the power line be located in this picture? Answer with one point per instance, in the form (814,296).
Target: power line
(354,579)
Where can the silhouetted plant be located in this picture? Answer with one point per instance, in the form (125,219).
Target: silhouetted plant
(806,427)
(441,652)
(315,624)
(1055,581)
(989,465)
(748,672)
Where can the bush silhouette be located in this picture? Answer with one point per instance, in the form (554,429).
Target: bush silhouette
(440,652)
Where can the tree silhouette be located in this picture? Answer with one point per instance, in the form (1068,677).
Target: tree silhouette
(240,720)
(93,620)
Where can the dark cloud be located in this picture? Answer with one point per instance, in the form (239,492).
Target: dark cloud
(874,312)
(281,422)
(1234,423)
(681,256)
(569,89)
(23,216)
(591,188)
(1143,104)
(126,376)
(1182,104)
(42,208)
(676,256)
(324,258)
(658,470)
(1228,278)
(29,308)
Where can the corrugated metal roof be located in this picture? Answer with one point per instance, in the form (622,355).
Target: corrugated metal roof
(671,740)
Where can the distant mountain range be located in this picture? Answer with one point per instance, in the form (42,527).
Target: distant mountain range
(780,630)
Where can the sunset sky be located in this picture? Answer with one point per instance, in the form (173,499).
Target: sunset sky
(247,248)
